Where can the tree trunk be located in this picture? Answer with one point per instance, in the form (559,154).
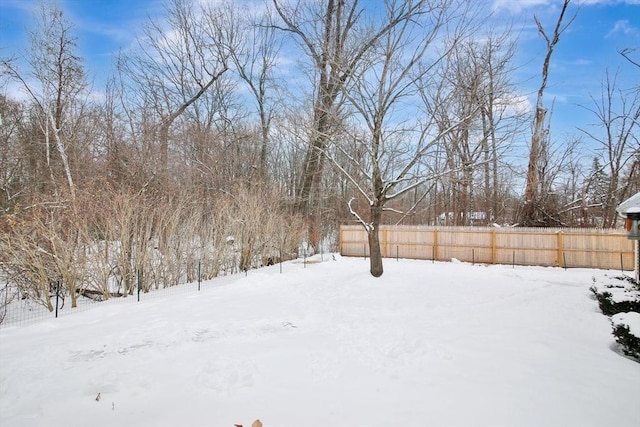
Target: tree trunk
(531,194)
(163,137)
(375,255)
(311,178)
(532,190)
(494,174)
(264,125)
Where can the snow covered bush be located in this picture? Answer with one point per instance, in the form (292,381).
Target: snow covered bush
(619,298)
(617,302)
(620,294)
(626,329)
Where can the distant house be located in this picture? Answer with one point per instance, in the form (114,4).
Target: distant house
(474,218)
(632,204)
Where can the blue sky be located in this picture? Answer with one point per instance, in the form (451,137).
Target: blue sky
(585,51)
(590,46)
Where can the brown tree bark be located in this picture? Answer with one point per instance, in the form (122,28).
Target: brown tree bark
(375,254)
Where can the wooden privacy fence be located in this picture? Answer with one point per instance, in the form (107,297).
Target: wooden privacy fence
(562,247)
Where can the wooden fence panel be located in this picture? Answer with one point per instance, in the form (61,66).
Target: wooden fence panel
(407,243)
(588,248)
(603,250)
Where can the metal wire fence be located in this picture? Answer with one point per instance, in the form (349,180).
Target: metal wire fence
(18,310)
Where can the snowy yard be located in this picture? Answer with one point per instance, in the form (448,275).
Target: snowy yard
(426,344)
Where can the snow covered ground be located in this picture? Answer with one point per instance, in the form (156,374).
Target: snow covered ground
(426,344)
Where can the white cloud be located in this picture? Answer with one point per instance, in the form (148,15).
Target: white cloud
(622,27)
(592,2)
(513,104)
(582,62)
(19,4)
(517,5)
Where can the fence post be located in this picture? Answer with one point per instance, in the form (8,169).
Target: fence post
(198,274)
(57,296)
(435,245)
(473,256)
(6,299)
(494,250)
(621,264)
(139,282)
(560,248)
(397,257)
(513,260)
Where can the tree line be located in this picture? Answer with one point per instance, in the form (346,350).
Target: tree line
(208,132)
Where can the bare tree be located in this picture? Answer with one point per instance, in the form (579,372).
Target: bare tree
(628,53)
(556,163)
(12,165)
(338,41)
(500,115)
(178,62)
(532,189)
(56,67)
(476,87)
(393,146)
(255,61)
(617,115)
(325,32)
(472,74)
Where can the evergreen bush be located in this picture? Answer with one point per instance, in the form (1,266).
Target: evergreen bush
(629,343)
(609,307)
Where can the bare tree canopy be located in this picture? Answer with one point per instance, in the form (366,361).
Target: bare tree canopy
(617,118)
(399,69)
(235,133)
(53,63)
(178,61)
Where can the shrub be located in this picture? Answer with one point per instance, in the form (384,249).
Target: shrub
(629,342)
(609,306)
(620,299)
(618,296)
